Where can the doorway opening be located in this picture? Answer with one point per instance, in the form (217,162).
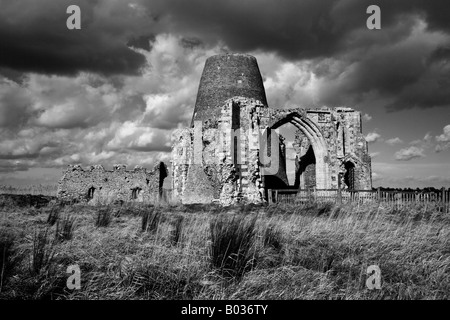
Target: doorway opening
(135,193)
(90,193)
(349,175)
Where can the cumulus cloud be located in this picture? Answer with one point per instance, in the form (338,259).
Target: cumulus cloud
(445,137)
(89,118)
(424,143)
(416,149)
(412,174)
(322,52)
(373,137)
(366,117)
(443,140)
(65,102)
(394,141)
(409,153)
(112,91)
(376,176)
(133,137)
(14,104)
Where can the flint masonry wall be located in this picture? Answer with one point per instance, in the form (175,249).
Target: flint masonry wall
(96,185)
(342,131)
(211,173)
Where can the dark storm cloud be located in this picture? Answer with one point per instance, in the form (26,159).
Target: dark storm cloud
(34,37)
(142,42)
(7,166)
(190,42)
(397,62)
(407,67)
(293,29)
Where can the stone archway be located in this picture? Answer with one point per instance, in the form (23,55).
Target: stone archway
(312,132)
(349,175)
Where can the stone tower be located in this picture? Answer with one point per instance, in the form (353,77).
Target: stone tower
(226,76)
(224,156)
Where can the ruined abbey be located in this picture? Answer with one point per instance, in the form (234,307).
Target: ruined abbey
(234,152)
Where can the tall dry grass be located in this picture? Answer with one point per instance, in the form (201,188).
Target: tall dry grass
(310,251)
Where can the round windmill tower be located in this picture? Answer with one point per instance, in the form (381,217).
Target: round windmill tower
(226,76)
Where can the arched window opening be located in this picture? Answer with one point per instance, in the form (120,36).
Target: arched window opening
(135,193)
(349,176)
(91,192)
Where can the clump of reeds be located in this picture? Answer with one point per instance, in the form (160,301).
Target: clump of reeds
(42,253)
(65,228)
(232,240)
(104,217)
(53,215)
(272,238)
(7,256)
(175,234)
(150,220)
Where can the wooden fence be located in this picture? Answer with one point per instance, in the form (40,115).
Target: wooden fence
(440,199)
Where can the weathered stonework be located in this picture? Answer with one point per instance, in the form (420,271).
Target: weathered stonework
(233,151)
(224,156)
(97,185)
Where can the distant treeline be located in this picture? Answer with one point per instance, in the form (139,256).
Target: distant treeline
(47,190)
(418,190)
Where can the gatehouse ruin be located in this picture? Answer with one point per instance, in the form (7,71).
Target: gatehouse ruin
(233,151)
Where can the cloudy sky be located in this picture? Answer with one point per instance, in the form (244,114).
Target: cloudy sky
(113,91)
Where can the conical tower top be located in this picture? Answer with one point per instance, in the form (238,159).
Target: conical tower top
(226,76)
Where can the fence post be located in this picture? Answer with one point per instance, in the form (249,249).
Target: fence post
(443,194)
(443,200)
(379,194)
(269,196)
(447,201)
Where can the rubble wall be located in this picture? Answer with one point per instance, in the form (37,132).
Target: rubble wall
(95,185)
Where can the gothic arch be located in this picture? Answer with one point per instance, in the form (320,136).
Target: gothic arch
(315,136)
(350,175)
(352,158)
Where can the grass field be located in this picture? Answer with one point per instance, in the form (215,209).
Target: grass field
(312,251)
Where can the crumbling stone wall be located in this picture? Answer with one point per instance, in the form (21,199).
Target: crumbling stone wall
(96,185)
(204,161)
(224,156)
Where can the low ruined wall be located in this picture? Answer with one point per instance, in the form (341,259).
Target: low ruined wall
(97,185)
